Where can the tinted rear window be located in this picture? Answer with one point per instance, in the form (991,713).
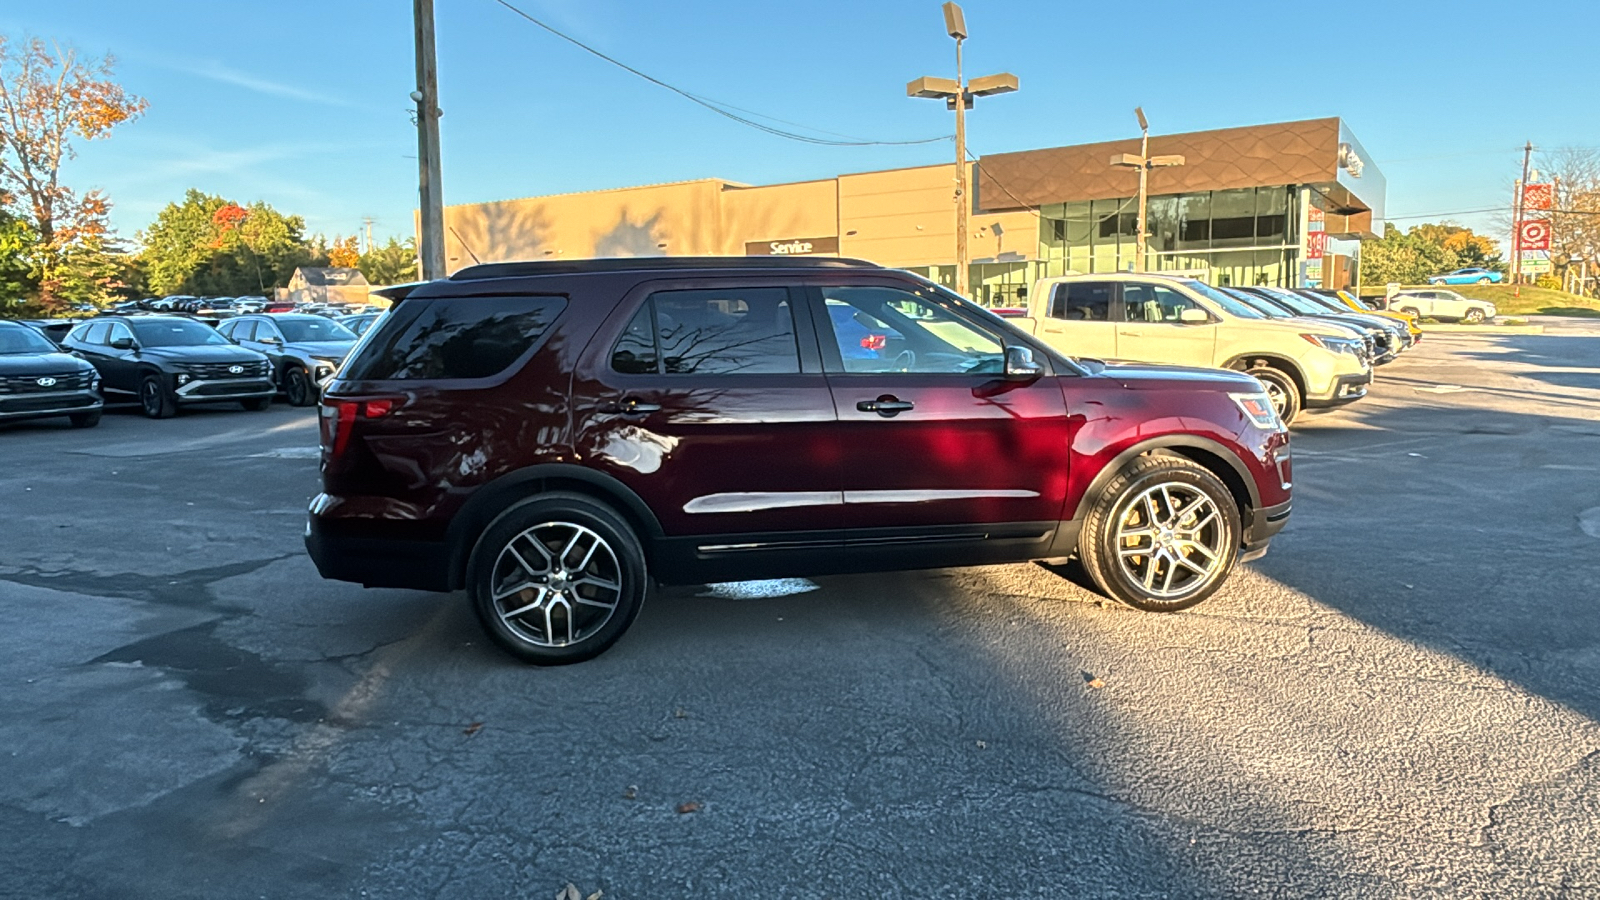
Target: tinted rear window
(458,337)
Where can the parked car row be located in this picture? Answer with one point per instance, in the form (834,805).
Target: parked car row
(226,307)
(1308,348)
(165,362)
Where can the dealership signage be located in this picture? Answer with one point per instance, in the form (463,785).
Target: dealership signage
(819,246)
(1316,247)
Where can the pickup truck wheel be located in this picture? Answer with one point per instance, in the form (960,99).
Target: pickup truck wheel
(1473,317)
(1281,389)
(1163,536)
(557,579)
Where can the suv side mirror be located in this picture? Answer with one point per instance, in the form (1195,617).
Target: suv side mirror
(1020,365)
(274,341)
(1192,316)
(121,343)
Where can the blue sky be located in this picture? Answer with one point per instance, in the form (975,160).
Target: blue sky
(304,104)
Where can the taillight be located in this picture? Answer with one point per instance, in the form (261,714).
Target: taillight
(338,419)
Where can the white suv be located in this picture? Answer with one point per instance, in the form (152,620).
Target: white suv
(1161,319)
(1440,304)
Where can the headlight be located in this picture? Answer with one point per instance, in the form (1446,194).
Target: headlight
(182,378)
(1352,346)
(1258,409)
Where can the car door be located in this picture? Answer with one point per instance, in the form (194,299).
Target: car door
(706,398)
(121,366)
(1077,319)
(941,458)
(90,343)
(267,339)
(1154,327)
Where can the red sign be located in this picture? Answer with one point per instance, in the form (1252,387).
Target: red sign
(1316,245)
(1538,196)
(1534,234)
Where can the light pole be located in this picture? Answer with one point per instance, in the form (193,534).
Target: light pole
(430,248)
(958,95)
(1144,162)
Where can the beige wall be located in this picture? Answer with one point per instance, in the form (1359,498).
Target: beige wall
(902,217)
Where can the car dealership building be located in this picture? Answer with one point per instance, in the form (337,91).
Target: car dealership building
(1266,204)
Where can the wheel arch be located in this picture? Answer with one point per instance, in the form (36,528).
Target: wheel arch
(1213,456)
(493,499)
(1278,361)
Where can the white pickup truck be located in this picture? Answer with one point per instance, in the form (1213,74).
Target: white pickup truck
(1162,319)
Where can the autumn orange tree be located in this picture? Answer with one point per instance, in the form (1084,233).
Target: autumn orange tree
(344,254)
(49,97)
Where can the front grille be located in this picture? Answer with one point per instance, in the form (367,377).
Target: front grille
(29,384)
(216,371)
(224,390)
(15,404)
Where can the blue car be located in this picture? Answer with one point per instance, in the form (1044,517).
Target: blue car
(1473,275)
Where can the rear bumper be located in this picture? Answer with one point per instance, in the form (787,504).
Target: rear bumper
(344,550)
(1346,389)
(1265,523)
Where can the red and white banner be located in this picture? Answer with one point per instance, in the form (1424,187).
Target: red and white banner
(1538,196)
(1534,234)
(1316,244)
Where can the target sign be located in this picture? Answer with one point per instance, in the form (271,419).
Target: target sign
(1534,235)
(1538,196)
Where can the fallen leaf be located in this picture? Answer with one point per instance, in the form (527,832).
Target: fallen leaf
(1096,683)
(982,745)
(570,892)
(596,895)
(632,793)
(680,714)
(689,807)
(472,729)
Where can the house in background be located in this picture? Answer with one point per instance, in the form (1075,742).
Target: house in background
(311,285)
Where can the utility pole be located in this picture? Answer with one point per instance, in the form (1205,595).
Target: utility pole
(431,246)
(1517,211)
(958,95)
(366,223)
(1144,162)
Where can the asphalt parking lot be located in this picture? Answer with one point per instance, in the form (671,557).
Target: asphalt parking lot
(1401,699)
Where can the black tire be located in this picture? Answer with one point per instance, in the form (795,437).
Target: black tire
(256,404)
(155,400)
(298,387)
(1281,388)
(1101,547)
(1473,317)
(1485,280)
(85,419)
(506,555)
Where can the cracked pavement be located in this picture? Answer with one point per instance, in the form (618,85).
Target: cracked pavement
(1400,700)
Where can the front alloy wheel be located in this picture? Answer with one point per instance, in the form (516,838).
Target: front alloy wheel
(557,579)
(298,387)
(1163,535)
(1474,317)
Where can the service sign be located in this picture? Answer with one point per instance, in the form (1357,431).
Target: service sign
(818,246)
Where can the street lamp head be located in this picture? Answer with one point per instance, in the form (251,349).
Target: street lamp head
(1161,162)
(1127,160)
(933,87)
(1144,124)
(989,85)
(955,23)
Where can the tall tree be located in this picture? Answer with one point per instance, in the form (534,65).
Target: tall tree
(395,262)
(48,96)
(343,254)
(1575,222)
(210,245)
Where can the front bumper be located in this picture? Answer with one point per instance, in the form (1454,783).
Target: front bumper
(1264,523)
(48,404)
(1346,389)
(217,390)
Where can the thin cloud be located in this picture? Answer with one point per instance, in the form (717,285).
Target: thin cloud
(218,72)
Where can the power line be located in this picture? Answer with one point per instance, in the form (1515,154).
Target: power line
(727,110)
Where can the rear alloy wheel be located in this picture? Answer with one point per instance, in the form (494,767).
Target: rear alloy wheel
(155,400)
(1163,536)
(1281,390)
(1473,317)
(557,579)
(85,419)
(298,387)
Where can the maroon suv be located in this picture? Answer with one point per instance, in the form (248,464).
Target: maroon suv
(554,436)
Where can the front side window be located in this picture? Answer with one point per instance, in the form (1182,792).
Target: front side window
(1088,301)
(735,331)
(454,337)
(244,331)
(96,333)
(1152,303)
(118,331)
(880,330)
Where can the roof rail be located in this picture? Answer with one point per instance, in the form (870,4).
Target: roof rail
(648,263)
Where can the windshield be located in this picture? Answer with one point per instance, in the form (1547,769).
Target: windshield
(175,333)
(22,339)
(1258,304)
(1325,303)
(297,331)
(1225,301)
(1295,302)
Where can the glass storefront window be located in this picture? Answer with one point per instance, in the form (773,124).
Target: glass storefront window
(1272,215)
(1233,218)
(1161,223)
(1194,221)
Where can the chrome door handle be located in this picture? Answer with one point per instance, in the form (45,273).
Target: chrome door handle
(886,406)
(630,406)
